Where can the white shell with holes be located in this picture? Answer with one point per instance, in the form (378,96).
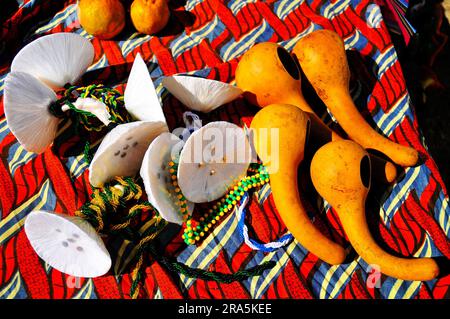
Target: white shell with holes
(26,102)
(214,158)
(157,179)
(55,59)
(68,244)
(201,94)
(122,150)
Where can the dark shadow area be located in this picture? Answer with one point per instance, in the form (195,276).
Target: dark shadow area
(24,28)
(426,66)
(110,75)
(8,8)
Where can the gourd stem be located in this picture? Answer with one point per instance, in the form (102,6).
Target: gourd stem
(361,132)
(352,214)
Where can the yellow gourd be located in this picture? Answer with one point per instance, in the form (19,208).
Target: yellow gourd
(268,74)
(321,55)
(292,126)
(340,172)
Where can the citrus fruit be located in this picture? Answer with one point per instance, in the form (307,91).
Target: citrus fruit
(101,18)
(149,16)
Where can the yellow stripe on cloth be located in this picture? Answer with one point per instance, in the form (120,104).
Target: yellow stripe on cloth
(16,283)
(68,11)
(86,290)
(338,283)
(217,246)
(8,232)
(256,289)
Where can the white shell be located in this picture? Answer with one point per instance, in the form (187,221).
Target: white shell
(55,59)
(26,102)
(157,180)
(94,106)
(213,159)
(140,97)
(68,244)
(122,150)
(200,94)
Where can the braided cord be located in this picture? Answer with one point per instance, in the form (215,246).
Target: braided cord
(111,98)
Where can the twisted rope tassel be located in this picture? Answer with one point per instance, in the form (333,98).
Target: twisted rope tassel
(112,99)
(108,199)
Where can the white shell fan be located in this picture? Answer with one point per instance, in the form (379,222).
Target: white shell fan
(140,97)
(215,157)
(68,244)
(157,179)
(201,94)
(122,150)
(26,102)
(55,59)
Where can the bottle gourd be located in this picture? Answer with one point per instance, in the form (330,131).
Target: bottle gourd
(321,55)
(292,125)
(340,172)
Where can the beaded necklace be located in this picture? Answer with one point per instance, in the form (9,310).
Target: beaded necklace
(195,233)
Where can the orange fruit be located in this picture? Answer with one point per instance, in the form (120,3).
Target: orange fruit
(149,16)
(101,18)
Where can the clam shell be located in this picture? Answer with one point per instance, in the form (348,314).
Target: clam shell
(68,244)
(140,97)
(201,94)
(122,150)
(55,59)
(26,102)
(213,159)
(157,179)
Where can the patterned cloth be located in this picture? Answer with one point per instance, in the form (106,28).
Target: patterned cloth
(207,38)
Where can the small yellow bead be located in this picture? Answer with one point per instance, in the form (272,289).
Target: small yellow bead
(225,210)
(240,184)
(213,221)
(202,234)
(197,238)
(209,225)
(238,197)
(175,183)
(222,213)
(174,177)
(231,192)
(230,206)
(171,164)
(233,202)
(177,190)
(206,228)
(191,241)
(171,171)
(217,217)
(235,188)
